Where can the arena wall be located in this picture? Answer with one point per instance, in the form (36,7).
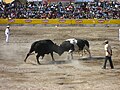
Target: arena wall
(59,21)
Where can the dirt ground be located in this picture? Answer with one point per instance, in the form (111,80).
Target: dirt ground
(81,73)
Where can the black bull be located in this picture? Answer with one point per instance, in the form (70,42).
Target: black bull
(43,47)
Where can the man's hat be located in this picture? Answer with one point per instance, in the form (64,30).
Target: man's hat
(8,26)
(106,41)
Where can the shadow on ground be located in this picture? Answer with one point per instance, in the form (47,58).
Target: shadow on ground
(58,62)
(92,58)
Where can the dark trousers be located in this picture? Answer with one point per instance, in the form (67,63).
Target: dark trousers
(110,60)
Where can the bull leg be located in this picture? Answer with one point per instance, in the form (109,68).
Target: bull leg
(83,52)
(80,53)
(88,50)
(89,53)
(52,56)
(42,56)
(71,55)
(37,57)
(26,57)
(68,57)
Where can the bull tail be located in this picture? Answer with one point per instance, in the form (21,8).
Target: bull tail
(87,43)
(31,50)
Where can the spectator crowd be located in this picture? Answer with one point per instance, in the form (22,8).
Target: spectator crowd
(80,10)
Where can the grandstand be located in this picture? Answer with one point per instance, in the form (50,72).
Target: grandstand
(83,10)
(71,10)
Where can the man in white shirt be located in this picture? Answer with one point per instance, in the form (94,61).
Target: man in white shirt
(108,54)
(7,33)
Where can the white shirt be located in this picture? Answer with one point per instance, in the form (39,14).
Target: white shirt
(108,50)
(7,31)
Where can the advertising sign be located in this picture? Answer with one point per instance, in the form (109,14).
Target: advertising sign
(84,0)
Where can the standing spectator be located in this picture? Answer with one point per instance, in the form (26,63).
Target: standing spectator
(7,33)
(108,56)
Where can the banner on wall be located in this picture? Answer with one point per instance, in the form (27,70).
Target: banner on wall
(33,0)
(59,21)
(58,0)
(84,0)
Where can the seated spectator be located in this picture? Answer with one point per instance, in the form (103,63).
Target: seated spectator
(83,10)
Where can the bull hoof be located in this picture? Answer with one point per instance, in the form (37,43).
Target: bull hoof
(90,57)
(39,63)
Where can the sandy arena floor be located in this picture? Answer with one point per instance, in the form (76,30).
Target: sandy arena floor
(78,74)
